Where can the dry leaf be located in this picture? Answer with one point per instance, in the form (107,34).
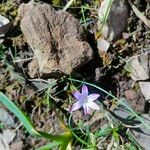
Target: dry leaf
(139,67)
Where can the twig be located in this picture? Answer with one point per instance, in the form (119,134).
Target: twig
(139,14)
(68,5)
(21,60)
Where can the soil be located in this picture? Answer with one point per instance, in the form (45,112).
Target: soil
(105,70)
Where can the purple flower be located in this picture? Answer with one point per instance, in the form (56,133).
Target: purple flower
(85,100)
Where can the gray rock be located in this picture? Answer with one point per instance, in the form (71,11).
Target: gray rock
(6,118)
(117,18)
(138,66)
(56,38)
(102,45)
(140,132)
(6,138)
(145,88)
(4,25)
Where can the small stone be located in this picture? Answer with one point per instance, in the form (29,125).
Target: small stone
(56,38)
(131,95)
(135,101)
(4,25)
(138,66)
(17,146)
(126,35)
(103,45)
(145,89)
(117,18)
(6,119)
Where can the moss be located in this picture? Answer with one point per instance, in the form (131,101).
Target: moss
(9,9)
(62,3)
(56,2)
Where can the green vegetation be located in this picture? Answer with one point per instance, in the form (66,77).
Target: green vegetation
(110,131)
(82,133)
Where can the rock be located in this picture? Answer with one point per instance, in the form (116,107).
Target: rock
(142,133)
(145,88)
(135,99)
(6,119)
(6,138)
(4,25)
(117,18)
(17,146)
(126,35)
(131,95)
(102,45)
(44,84)
(138,66)
(56,38)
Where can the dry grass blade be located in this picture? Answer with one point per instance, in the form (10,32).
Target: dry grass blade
(68,5)
(139,14)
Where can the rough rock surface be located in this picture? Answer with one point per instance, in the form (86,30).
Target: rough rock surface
(117,18)
(56,38)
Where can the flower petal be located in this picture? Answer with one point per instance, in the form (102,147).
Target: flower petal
(77,94)
(92,97)
(85,90)
(93,105)
(76,106)
(86,109)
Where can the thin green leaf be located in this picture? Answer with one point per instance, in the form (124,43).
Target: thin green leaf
(105,131)
(49,146)
(21,115)
(64,138)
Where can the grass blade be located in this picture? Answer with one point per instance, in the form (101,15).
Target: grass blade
(49,146)
(63,139)
(21,115)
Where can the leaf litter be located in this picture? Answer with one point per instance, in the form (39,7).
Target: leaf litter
(43,106)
